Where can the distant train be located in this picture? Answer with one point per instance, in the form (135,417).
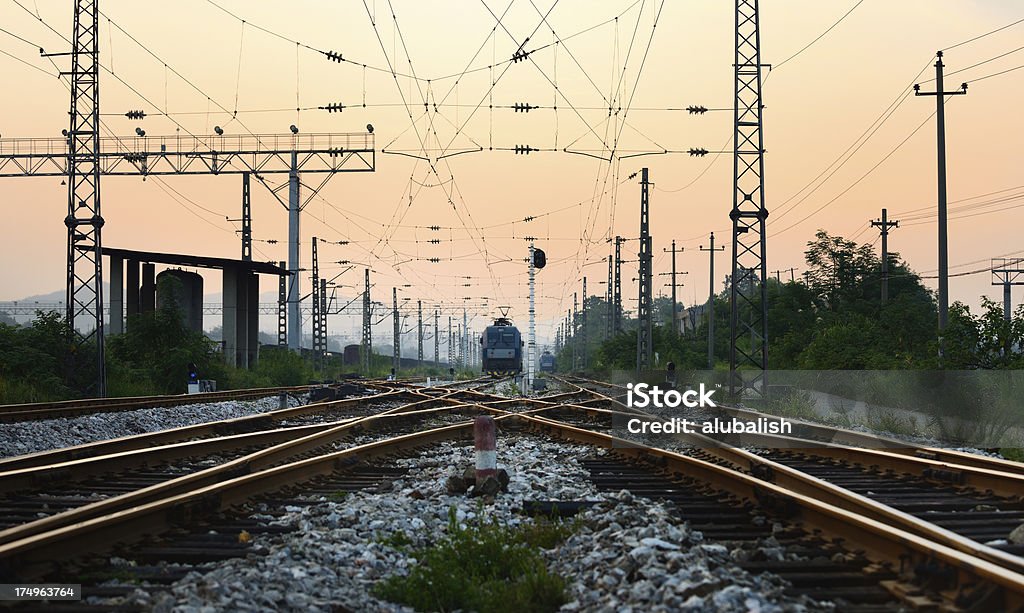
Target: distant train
(547,362)
(502,346)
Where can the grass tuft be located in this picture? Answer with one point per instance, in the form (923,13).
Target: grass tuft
(484,566)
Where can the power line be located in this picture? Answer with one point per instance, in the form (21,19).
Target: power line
(980,36)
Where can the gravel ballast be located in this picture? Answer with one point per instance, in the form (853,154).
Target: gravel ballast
(627,553)
(19,438)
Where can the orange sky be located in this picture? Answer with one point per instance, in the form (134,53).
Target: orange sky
(817,105)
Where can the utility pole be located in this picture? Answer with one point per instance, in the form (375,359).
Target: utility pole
(583,325)
(748,287)
(366,354)
(884,224)
(419,326)
(282,309)
(396,352)
(711,299)
(675,303)
(644,329)
(1007,272)
(437,339)
(940,123)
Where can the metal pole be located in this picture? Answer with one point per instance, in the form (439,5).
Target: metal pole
(583,325)
(646,284)
(531,353)
(294,263)
(367,348)
(675,324)
(282,308)
(618,284)
(609,315)
(419,326)
(317,363)
(396,353)
(437,339)
(575,329)
(246,219)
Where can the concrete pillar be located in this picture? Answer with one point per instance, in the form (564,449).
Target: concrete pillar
(229,321)
(253,320)
(147,295)
(116,324)
(242,319)
(131,291)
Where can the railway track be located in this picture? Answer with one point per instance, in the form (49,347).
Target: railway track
(913,561)
(71,408)
(969,507)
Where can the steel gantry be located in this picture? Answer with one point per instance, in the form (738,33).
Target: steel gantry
(84,158)
(748,287)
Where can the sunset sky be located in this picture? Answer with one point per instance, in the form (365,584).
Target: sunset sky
(819,171)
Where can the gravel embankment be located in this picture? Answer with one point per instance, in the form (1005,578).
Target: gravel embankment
(19,438)
(628,553)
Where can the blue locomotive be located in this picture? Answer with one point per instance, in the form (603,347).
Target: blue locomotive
(547,362)
(502,346)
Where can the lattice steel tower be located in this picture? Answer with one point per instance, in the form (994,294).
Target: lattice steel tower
(366,354)
(318,313)
(646,283)
(748,287)
(84,296)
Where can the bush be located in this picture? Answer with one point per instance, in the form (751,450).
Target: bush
(483,567)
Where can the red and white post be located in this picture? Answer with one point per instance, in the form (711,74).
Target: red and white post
(485,443)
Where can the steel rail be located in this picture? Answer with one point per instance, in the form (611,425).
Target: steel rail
(68,408)
(252,463)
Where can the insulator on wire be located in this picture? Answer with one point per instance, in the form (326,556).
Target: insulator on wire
(698,153)
(435,228)
(697,110)
(523,107)
(519,56)
(524,149)
(528,218)
(434,241)
(434,260)
(135,114)
(334,107)
(334,57)
(529,238)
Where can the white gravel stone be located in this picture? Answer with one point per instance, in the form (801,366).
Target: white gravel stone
(19,438)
